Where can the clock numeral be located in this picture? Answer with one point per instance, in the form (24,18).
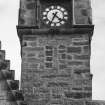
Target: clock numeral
(44,13)
(52,24)
(47,22)
(66,18)
(62,9)
(65,13)
(47,9)
(58,24)
(52,7)
(58,7)
(44,18)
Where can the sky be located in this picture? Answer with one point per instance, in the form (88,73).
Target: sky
(10,42)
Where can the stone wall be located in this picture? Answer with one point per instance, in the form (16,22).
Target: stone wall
(55,68)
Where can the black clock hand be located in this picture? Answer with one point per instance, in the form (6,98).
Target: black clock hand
(60,19)
(54,15)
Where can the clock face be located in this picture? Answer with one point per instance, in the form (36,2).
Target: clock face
(55,16)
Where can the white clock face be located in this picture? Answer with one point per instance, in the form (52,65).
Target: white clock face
(55,16)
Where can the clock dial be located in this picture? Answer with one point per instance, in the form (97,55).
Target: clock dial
(55,16)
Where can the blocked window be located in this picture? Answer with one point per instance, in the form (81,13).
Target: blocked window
(49,56)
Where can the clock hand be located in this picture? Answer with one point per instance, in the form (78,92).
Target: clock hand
(54,15)
(60,19)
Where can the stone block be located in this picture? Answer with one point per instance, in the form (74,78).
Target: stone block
(69,57)
(56,84)
(49,76)
(48,65)
(56,96)
(56,102)
(49,47)
(42,42)
(87,63)
(63,56)
(31,55)
(87,82)
(86,49)
(41,55)
(94,102)
(36,49)
(49,58)
(88,88)
(34,66)
(62,66)
(38,84)
(49,53)
(29,38)
(79,71)
(78,95)
(81,39)
(81,82)
(81,43)
(28,91)
(27,77)
(62,47)
(62,51)
(25,65)
(81,57)
(73,102)
(32,43)
(36,60)
(75,63)
(74,50)
(24,44)
(77,89)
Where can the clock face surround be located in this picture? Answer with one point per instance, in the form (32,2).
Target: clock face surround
(55,16)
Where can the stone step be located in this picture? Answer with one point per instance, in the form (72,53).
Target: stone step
(15,95)
(7,74)
(2,54)
(13,84)
(7,85)
(5,64)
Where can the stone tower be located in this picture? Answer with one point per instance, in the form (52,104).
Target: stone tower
(55,37)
